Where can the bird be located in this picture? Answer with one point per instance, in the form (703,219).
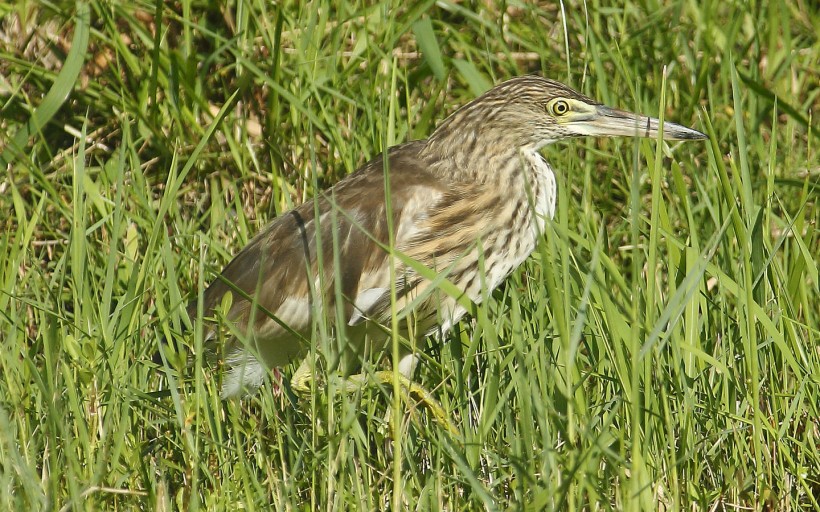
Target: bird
(418,233)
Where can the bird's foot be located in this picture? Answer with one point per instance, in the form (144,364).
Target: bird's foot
(408,389)
(304,381)
(301,381)
(424,397)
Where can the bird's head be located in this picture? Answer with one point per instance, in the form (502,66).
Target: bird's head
(532,111)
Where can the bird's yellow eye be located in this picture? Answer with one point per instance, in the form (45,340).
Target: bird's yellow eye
(559,107)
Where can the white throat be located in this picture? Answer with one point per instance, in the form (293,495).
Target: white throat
(542,186)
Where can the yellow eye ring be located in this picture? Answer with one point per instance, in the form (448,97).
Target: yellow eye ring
(559,108)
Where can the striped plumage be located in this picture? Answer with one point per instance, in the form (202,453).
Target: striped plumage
(473,196)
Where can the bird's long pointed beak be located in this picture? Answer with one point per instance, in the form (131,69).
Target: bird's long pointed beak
(611,122)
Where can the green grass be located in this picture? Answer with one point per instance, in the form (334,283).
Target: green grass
(658,352)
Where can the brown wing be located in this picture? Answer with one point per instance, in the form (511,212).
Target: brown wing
(280,268)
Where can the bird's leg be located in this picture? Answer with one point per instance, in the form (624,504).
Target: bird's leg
(301,384)
(408,389)
(302,377)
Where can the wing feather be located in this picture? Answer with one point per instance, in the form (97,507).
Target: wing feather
(280,267)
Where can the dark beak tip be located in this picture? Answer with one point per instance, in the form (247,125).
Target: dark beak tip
(695,136)
(684,133)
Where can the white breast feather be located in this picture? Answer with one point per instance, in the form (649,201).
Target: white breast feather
(544,185)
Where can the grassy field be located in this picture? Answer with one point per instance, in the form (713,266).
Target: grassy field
(658,352)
